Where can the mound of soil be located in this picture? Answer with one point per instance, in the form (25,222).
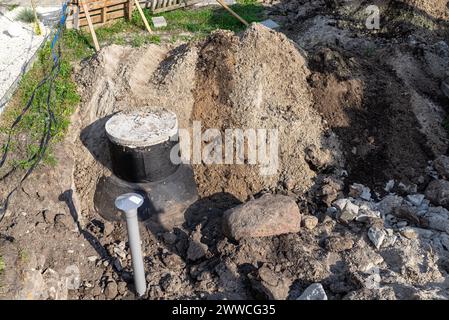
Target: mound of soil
(257,80)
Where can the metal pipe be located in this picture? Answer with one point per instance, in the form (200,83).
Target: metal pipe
(129,203)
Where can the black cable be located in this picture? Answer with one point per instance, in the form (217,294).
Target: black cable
(43,145)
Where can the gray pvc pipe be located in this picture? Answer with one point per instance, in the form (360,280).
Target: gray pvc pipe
(129,203)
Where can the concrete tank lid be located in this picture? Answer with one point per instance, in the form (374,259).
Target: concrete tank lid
(141,128)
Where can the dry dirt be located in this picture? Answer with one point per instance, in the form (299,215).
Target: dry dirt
(351,105)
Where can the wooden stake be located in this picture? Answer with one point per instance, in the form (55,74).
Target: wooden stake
(104,13)
(224,5)
(91,26)
(129,10)
(136,2)
(36,21)
(76,18)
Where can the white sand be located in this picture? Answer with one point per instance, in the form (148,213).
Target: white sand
(15,52)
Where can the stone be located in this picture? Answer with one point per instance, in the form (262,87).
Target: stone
(56,285)
(330,190)
(415,199)
(313,292)
(438,192)
(111,290)
(108,228)
(358,190)
(409,213)
(388,204)
(92,258)
(377,236)
(389,186)
(159,22)
(268,215)
(270,284)
(173,261)
(441,165)
(270,24)
(122,287)
(309,222)
(170,283)
(196,250)
(349,211)
(409,233)
(437,219)
(367,213)
(169,238)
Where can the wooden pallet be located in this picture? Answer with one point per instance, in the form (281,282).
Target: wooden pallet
(102,11)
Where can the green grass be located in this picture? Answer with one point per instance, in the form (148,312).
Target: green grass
(203,21)
(26,15)
(63,102)
(2,264)
(183,24)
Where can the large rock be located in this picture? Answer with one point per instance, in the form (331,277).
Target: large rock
(268,215)
(314,292)
(270,285)
(441,165)
(438,192)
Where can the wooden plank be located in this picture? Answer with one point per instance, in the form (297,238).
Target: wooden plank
(97,19)
(224,5)
(91,27)
(136,2)
(98,5)
(121,6)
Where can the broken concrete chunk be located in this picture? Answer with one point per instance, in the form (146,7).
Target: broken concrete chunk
(270,24)
(438,192)
(313,292)
(159,22)
(349,212)
(437,219)
(415,199)
(389,203)
(268,215)
(377,236)
(358,190)
(389,185)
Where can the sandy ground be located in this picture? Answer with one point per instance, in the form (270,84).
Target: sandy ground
(16,51)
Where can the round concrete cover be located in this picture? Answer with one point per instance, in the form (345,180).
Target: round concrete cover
(142,129)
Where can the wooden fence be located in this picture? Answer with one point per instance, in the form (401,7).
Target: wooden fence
(102,11)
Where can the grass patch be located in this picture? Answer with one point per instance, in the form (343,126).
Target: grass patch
(63,102)
(203,21)
(26,15)
(2,264)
